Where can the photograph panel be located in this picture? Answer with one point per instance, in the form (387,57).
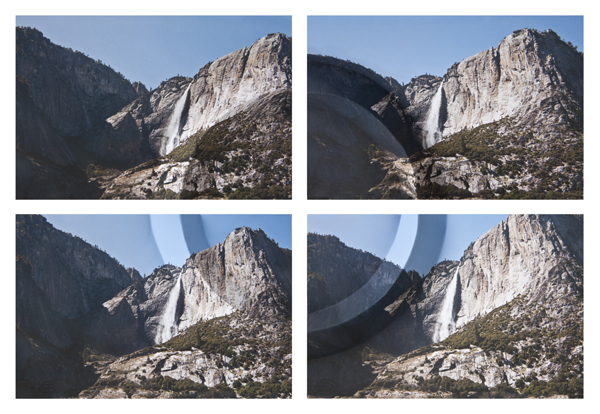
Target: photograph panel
(206,114)
(445,107)
(153,306)
(445,306)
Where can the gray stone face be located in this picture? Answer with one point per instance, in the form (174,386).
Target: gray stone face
(260,127)
(533,77)
(246,273)
(220,89)
(519,257)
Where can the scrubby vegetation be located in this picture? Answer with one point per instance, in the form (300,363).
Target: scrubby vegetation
(517,344)
(213,337)
(533,165)
(243,146)
(256,352)
(431,190)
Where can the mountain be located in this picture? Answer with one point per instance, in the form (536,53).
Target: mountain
(60,279)
(507,122)
(504,321)
(95,126)
(246,156)
(222,320)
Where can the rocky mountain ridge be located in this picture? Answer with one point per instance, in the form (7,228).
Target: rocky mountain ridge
(240,157)
(246,280)
(246,273)
(497,127)
(219,90)
(74,91)
(506,321)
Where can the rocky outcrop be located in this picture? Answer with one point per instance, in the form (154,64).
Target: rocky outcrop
(220,90)
(532,76)
(246,273)
(252,149)
(539,258)
(243,366)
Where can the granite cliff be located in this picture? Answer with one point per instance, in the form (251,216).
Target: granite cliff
(506,320)
(246,156)
(507,122)
(60,279)
(222,320)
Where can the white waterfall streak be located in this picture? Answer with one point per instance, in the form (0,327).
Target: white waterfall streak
(174,128)
(432,125)
(167,327)
(446,322)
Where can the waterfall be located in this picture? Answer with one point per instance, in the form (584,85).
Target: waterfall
(167,327)
(446,322)
(432,125)
(174,128)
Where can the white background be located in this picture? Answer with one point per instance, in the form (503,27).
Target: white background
(299,206)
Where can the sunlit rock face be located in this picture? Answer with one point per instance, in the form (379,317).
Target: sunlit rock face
(248,272)
(532,76)
(221,89)
(259,128)
(527,256)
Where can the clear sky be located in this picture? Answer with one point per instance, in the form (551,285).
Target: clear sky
(146,242)
(152,49)
(408,46)
(393,236)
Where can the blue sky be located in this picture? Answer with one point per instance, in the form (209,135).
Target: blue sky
(408,46)
(393,236)
(152,49)
(149,241)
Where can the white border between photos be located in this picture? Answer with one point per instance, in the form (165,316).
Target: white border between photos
(299,207)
